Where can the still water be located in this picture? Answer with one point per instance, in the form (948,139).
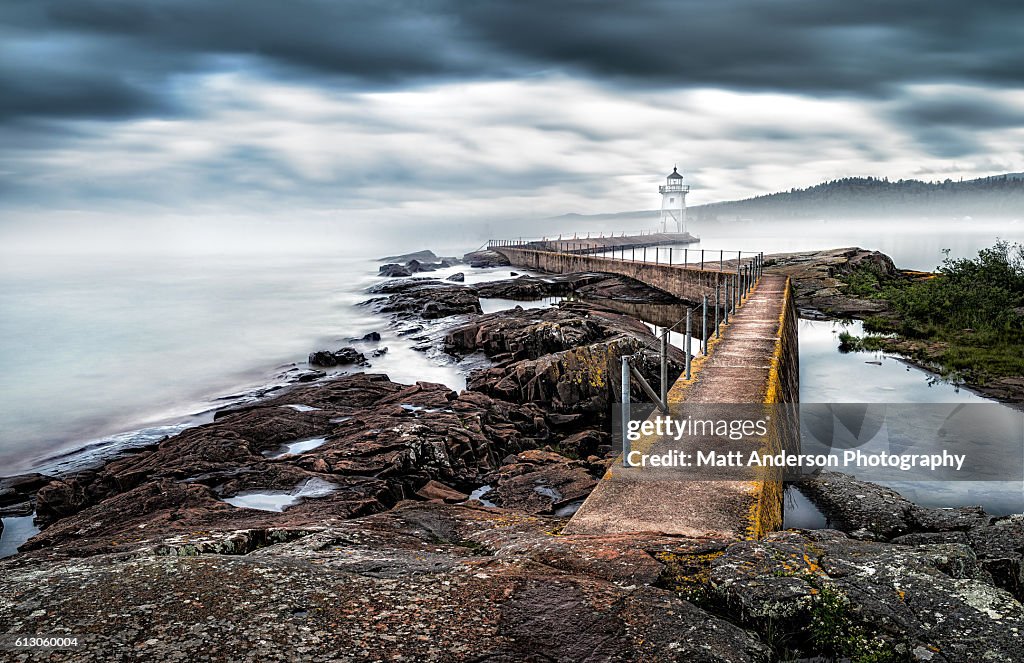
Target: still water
(829,376)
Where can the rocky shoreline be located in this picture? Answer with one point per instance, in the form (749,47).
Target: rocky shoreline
(383,554)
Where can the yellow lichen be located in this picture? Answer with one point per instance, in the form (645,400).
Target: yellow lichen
(688,573)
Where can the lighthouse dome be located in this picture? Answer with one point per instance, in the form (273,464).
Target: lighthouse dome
(675,175)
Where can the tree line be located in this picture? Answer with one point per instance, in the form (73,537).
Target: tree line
(860,197)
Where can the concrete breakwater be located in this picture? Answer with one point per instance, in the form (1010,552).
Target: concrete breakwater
(753,360)
(688,283)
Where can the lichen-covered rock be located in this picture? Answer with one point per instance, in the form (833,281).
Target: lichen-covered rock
(819,279)
(869,511)
(826,594)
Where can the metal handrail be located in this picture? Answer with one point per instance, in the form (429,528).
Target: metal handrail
(755,258)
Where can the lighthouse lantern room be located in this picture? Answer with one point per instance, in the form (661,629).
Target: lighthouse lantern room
(673,203)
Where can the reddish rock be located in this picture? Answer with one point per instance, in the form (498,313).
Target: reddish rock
(541,482)
(383,441)
(435,490)
(568,358)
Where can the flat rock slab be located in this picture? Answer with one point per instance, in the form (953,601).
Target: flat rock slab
(425,582)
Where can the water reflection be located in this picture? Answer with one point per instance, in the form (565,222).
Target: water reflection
(829,376)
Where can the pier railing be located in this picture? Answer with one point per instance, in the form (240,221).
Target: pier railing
(749,265)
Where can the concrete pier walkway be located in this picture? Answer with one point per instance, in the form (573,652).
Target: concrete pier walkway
(754,361)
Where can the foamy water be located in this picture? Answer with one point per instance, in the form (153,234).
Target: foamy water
(122,351)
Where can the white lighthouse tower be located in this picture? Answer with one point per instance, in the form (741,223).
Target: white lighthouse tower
(673,203)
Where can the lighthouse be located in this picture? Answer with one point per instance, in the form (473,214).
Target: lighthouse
(673,203)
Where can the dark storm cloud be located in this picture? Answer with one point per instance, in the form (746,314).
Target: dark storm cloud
(790,45)
(958,111)
(952,124)
(116,57)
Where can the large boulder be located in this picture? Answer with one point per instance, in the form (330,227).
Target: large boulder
(393,269)
(414,266)
(567,357)
(869,511)
(541,482)
(481,259)
(342,357)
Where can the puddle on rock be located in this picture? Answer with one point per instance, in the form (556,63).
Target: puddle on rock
(279,500)
(17,530)
(800,512)
(479,493)
(297,447)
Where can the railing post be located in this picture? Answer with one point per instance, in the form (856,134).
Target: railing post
(726,301)
(657,254)
(686,256)
(645,254)
(633,256)
(721,260)
(689,330)
(702,260)
(704,328)
(664,371)
(670,256)
(718,299)
(625,411)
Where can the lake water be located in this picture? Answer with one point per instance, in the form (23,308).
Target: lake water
(115,350)
(120,351)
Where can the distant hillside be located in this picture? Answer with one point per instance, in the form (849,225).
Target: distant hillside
(870,197)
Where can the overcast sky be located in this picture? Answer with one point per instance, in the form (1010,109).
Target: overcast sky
(253,109)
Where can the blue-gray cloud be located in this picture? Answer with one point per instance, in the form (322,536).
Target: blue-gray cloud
(113,58)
